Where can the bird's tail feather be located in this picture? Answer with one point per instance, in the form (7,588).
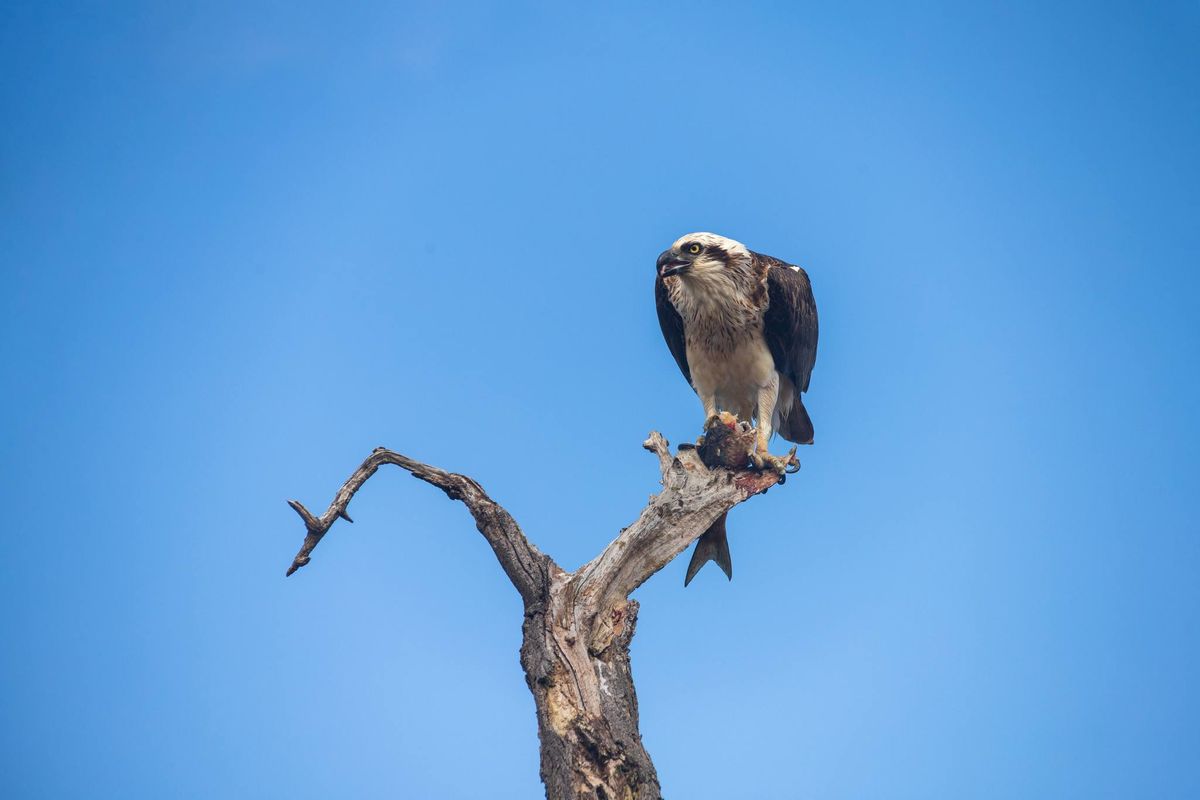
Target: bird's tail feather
(713,545)
(797,427)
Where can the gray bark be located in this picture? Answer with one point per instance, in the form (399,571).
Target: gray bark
(578,625)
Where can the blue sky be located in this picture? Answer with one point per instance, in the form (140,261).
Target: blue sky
(243,244)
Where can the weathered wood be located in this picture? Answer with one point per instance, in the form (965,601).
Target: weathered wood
(527,568)
(578,626)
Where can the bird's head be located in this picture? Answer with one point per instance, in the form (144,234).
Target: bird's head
(701,257)
(706,263)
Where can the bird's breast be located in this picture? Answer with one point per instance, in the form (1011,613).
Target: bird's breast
(733,374)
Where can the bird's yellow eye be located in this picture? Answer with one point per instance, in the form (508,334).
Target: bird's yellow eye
(694,248)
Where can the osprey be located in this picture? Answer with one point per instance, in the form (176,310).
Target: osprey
(743,329)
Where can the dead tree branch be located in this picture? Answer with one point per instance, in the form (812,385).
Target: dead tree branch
(527,567)
(578,626)
(693,496)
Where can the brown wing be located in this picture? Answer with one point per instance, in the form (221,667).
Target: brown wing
(672,327)
(790,324)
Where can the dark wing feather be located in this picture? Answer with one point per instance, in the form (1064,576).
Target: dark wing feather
(790,324)
(672,327)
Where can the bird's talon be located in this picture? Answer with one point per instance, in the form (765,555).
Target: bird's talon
(778,464)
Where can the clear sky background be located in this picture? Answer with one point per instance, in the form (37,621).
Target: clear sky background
(242,246)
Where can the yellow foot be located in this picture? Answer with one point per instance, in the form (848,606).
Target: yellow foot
(781,464)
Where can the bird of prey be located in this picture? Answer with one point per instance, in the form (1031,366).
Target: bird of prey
(742,327)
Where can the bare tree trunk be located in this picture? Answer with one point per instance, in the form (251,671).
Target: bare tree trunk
(578,625)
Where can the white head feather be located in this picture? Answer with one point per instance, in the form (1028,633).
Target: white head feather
(734,248)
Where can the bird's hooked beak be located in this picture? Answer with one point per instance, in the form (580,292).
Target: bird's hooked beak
(672,263)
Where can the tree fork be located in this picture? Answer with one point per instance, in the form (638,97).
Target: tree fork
(578,625)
